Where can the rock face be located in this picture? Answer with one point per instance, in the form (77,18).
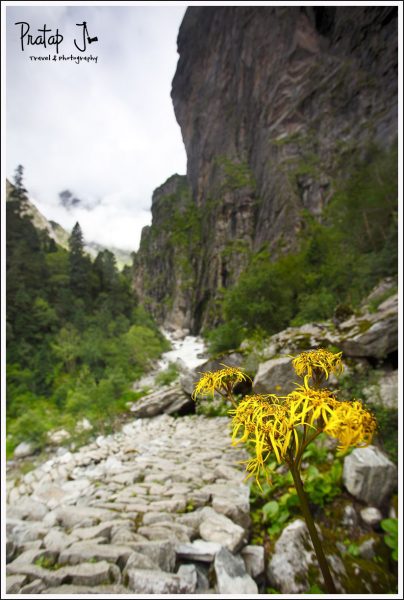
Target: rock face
(148,510)
(165,265)
(272,102)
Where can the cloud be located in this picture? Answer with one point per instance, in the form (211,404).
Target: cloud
(105,131)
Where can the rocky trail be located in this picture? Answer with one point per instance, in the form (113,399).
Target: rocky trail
(159,507)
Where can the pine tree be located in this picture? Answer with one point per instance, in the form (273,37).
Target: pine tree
(18,181)
(80,265)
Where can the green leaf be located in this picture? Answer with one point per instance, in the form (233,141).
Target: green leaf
(390,525)
(270,510)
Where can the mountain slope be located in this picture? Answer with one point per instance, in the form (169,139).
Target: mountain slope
(61,236)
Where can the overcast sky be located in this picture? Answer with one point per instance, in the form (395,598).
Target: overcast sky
(106,130)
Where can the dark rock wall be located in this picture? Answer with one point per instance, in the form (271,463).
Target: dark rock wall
(273,104)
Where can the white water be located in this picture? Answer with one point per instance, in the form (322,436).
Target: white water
(190,349)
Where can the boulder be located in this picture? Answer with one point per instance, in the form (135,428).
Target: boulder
(24,449)
(142,581)
(371,516)
(231,575)
(188,379)
(165,400)
(27,508)
(161,553)
(14,583)
(198,550)
(385,391)
(384,286)
(275,376)
(90,550)
(218,528)
(34,587)
(58,540)
(254,560)
(58,436)
(189,574)
(28,531)
(371,334)
(293,557)
(139,561)
(73,516)
(369,475)
(91,574)
(231,500)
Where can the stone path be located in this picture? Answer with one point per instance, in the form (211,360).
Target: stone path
(159,507)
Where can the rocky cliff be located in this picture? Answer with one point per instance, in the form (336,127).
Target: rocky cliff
(274,104)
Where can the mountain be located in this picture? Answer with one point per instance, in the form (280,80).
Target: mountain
(53,229)
(123,257)
(61,236)
(277,106)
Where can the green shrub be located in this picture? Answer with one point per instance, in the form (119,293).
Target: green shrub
(167,376)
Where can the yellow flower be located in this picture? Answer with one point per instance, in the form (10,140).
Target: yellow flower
(317,361)
(264,420)
(352,425)
(283,427)
(223,381)
(309,404)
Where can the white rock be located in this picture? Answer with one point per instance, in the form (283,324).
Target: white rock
(199,550)
(231,575)
(58,540)
(161,553)
(83,425)
(253,557)
(91,574)
(83,551)
(27,508)
(189,574)
(37,586)
(371,516)
(369,475)
(289,564)
(218,528)
(14,583)
(142,581)
(58,436)
(24,449)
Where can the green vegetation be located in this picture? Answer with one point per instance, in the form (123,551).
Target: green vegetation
(353,386)
(390,526)
(237,175)
(167,376)
(278,503)
(76,339)
(337,263)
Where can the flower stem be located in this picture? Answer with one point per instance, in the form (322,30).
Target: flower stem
(322,561)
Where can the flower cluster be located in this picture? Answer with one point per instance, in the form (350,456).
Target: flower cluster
(285,425)
(317,361)
(275,424)
(222,381)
